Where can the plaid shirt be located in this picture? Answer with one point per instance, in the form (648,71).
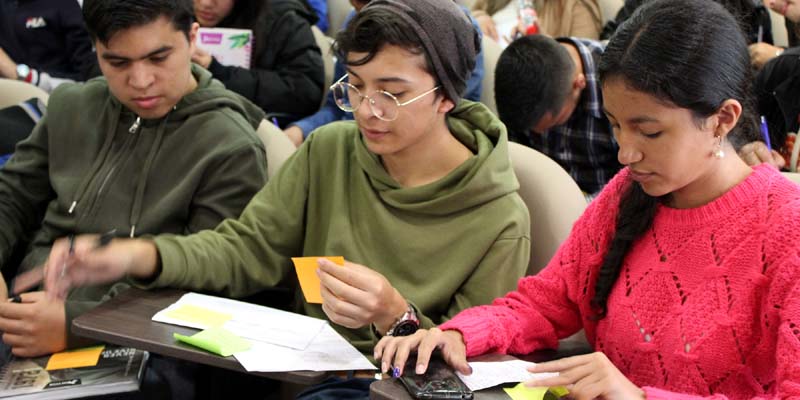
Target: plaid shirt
(584,145)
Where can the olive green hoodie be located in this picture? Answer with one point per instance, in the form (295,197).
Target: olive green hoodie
(448,245)
(90,167)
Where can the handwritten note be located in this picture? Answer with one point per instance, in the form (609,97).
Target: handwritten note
(216,340)
(487,374)
(306,268)
(87,357)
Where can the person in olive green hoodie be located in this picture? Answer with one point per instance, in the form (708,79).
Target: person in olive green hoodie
(417,194)
(154,146)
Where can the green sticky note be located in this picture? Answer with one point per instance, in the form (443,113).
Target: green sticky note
(215,340)
(522,392)
(559,391)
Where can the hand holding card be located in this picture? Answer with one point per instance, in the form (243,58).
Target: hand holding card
(306,268)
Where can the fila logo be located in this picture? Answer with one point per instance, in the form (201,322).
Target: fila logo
(35,22)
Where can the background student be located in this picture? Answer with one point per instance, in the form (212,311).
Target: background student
(45,43)
(417,194)
(549,97)
(579,18)
(776,87)
(153,146)
(750,15)
(680,271)
(761,53)
(286,73)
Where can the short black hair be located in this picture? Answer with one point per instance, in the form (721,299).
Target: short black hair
(105,18)
(533,76)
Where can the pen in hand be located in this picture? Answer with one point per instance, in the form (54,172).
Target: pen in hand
(71,239)
(30,279)
(105,239)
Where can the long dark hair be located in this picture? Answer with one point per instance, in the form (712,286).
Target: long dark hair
(690,53)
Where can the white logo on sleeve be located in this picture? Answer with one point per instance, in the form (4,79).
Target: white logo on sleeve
(35,22)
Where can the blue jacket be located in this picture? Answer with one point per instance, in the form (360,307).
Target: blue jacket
(320,7)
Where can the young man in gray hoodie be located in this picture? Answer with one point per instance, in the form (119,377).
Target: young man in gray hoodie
(154,146)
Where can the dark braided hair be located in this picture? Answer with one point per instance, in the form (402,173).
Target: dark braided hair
(689,53)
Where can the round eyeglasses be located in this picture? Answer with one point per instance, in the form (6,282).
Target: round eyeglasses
(383,104)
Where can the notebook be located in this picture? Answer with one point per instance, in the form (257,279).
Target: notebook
(231,47)
(117,369)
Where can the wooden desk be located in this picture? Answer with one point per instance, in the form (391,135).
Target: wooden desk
(392,389)
(126,320)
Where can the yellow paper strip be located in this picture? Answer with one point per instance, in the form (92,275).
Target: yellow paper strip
(199,315)
(522,392)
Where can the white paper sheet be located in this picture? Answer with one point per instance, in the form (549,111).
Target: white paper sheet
(251,321)
(328,352)
(487,374)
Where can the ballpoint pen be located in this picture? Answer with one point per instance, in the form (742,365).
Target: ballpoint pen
(35,276)
(765,132)
(71,239)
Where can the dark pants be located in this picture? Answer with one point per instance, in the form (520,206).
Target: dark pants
(336,388)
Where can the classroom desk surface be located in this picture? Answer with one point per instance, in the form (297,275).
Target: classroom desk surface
(392,389)
(126,320)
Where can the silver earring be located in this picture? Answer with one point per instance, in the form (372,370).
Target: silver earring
(719,153)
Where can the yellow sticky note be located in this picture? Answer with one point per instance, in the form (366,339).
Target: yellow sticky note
(199,315)
(216,340)
(522,392)
(306,268)
(87,357)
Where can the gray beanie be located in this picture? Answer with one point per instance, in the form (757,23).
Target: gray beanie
(447,35)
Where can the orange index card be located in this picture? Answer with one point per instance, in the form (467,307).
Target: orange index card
(306,268)
(199,315)
(87,357)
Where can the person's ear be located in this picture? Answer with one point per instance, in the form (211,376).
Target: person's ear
(727,116)
(193,37)
(579,83)
(446,105)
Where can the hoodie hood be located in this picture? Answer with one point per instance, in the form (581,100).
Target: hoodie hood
(486,176)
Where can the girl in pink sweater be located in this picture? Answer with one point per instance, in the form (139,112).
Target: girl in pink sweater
(685,271)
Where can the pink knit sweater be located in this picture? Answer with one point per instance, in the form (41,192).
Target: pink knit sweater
(707,302)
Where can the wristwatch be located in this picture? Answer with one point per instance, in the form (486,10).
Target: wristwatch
(24,73)
(406,325)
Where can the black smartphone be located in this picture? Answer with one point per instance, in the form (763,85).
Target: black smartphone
(438,382)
